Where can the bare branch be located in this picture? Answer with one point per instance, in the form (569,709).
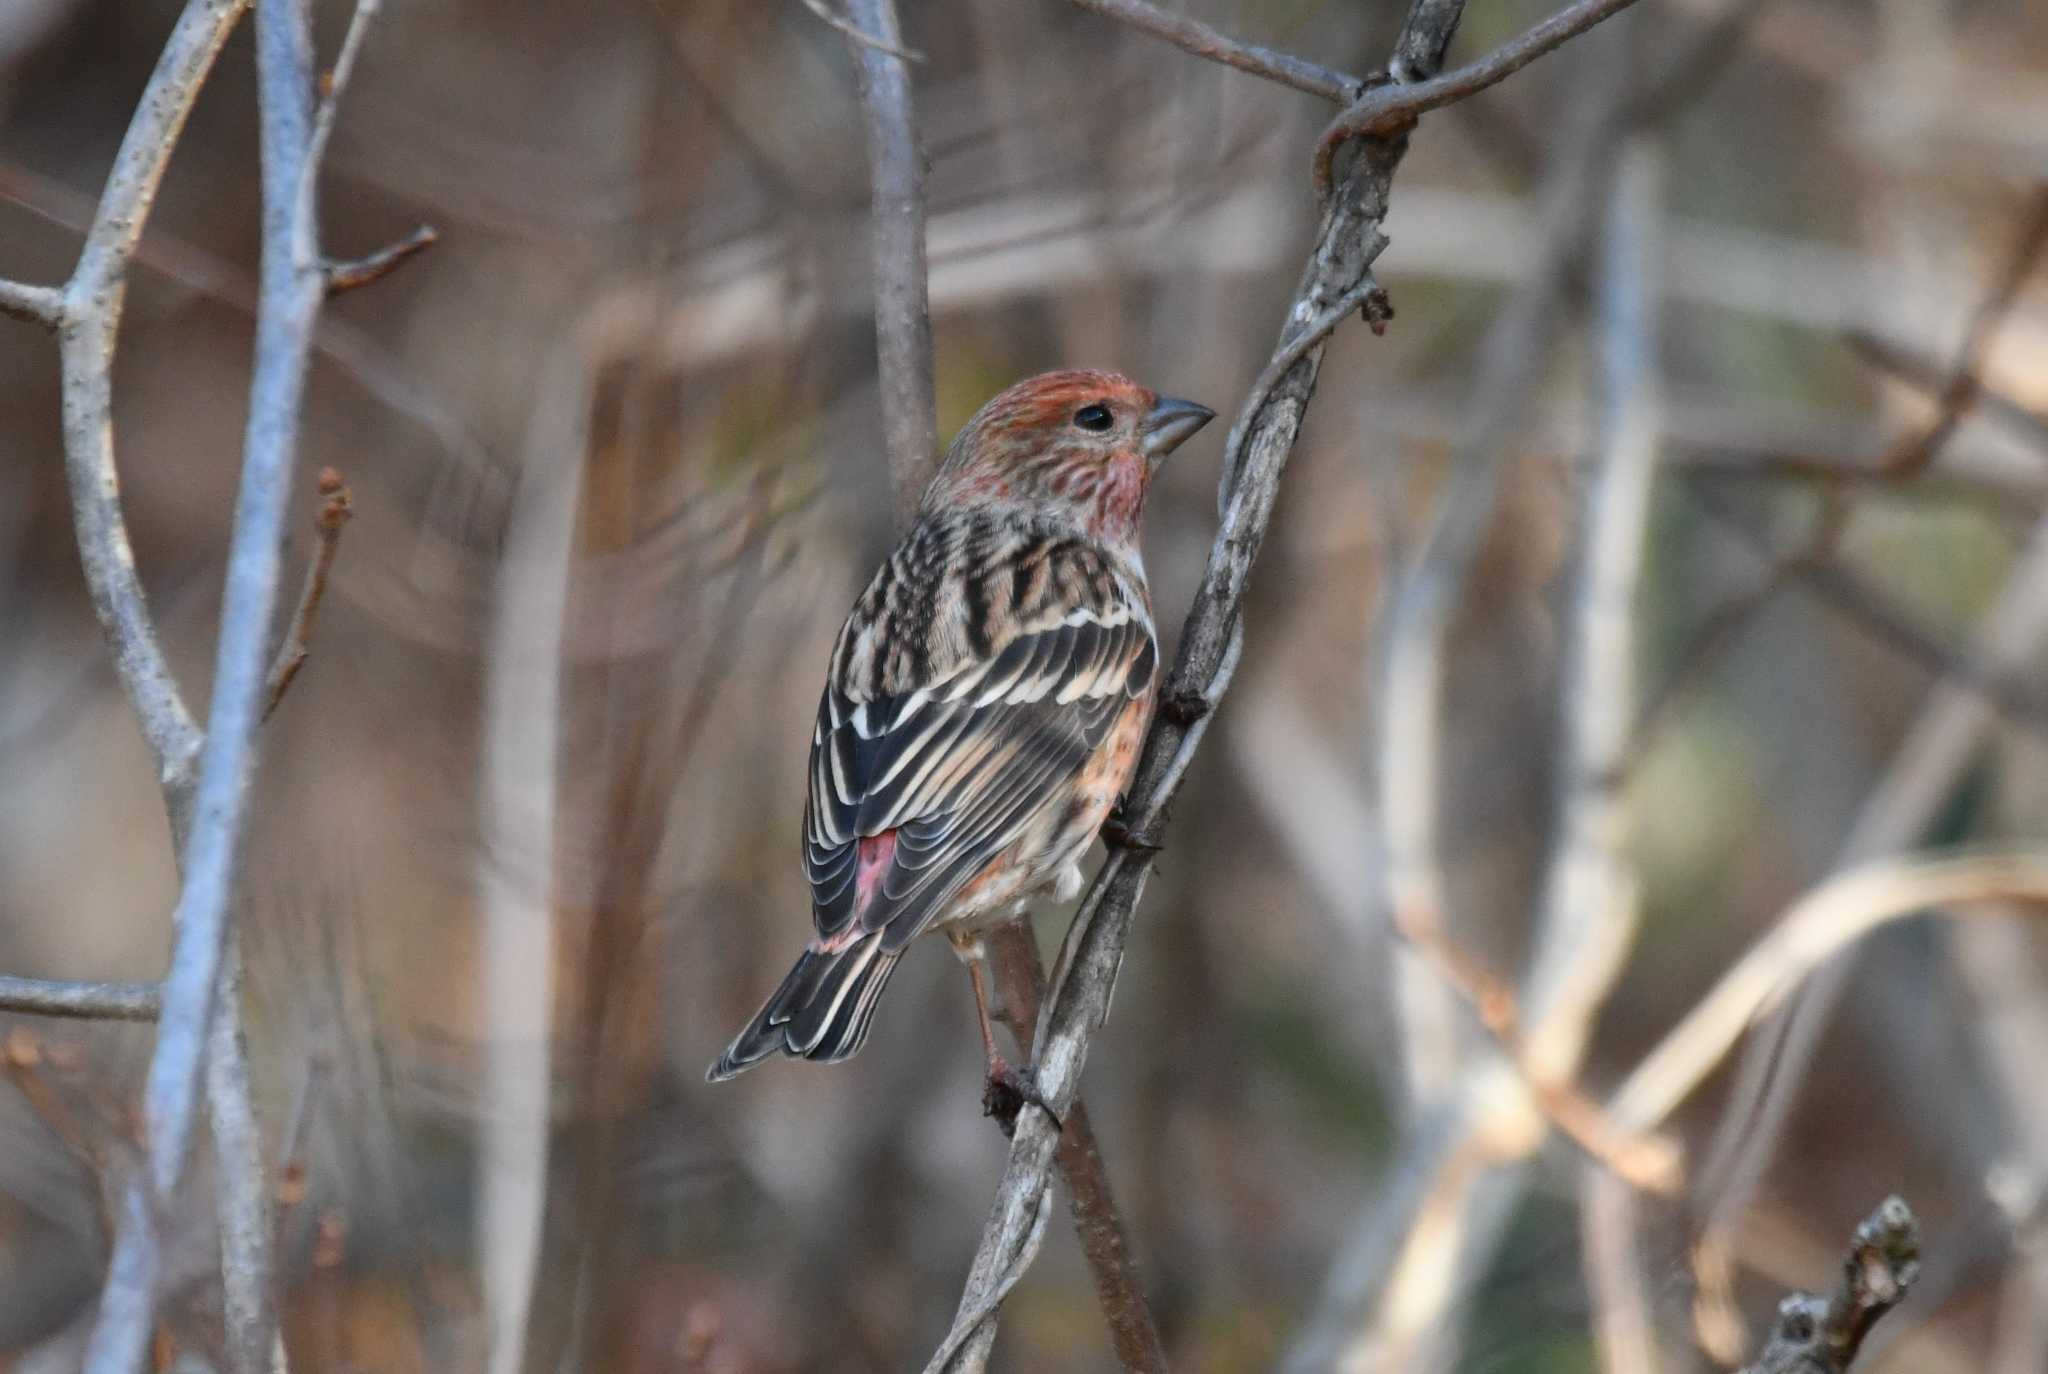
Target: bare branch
(81,1001)
(1133,1333)
(903,322)
(333,517)
(197,1011)
(860,36)
(1190,35)
(92,316)
(43,305)
(1624,1329)
(1336,280)
(356,273)
(1818,1335)
(1389,109)
(1834,915)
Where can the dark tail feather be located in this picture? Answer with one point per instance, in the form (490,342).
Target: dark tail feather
(821,1011)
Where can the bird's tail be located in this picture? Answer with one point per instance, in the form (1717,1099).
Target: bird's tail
(821,1011)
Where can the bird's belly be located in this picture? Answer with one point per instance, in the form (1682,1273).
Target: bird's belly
(1046,858)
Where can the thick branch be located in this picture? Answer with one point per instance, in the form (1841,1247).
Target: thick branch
(1336,280)
(903,322)
(1816,1335)
(1190,35)
(1389,109)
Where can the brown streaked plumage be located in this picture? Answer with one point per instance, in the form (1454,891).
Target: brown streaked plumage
(984,702)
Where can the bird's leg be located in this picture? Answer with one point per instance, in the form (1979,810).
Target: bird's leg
(1007,1089)
(1119,834)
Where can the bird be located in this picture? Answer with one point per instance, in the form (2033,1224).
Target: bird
(983,706)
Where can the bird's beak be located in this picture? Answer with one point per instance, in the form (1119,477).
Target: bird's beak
(1170,424)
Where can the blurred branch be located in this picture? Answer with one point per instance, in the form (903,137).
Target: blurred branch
(1336,280)
(82,1001)
(1924,372)
(355,273)
(1411,91)
(328,524)
(1911,455)
(1191,35)
(1818,1335)
(903,321)
(861,36)
(1834,915)
(1624,1331)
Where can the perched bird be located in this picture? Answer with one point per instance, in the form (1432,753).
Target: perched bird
(983,706)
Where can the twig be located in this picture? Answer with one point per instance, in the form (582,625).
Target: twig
(903,322)
(43,305)
(859,35)
(333,517)
(81,1001)
(1337,271)
(1020,979)
(1911,455)
(355,273)
(1190,35)
(1923,371)
(1818,1335)
(1388,109)
(1834,915)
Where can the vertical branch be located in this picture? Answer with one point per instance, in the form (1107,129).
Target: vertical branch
(196,1012)
(903,321)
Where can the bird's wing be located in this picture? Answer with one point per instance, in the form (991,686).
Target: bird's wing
(955,766)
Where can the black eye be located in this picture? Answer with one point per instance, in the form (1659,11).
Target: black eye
(1096,418)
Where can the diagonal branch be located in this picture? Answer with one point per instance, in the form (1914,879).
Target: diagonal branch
(1336,281)
(1193,36)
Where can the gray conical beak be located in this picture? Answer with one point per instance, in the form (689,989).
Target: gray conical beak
(1170,424)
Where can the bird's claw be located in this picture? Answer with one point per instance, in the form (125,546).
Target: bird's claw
(1006,1093)
(1118,833)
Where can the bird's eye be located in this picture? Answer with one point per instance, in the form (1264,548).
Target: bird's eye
(1096,418)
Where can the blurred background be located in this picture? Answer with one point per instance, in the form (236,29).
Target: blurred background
(525,848)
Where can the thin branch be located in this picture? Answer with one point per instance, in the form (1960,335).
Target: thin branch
(355,273)
(1828,919)
(859,35)
(1338,272)
(1134,1334)
(333,517)
(81,1001)
(1389,109)
(92,316)
(1817,1335)
(903,322)
(1191,35)
(43,305)
(1624,1329)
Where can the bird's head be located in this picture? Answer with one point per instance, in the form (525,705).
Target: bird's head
(1078,444)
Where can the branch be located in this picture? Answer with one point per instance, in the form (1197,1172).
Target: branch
(1336,281)
(201,986)
(1192,36)
(43,305)
(81,1001)
(1410,92)
(1133,1333)
(1818,1335)
(335,511)
(355,273)
(1832,916)
(903,322)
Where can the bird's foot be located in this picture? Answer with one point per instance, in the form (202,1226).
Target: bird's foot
(1119,834)
(1006,1093)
